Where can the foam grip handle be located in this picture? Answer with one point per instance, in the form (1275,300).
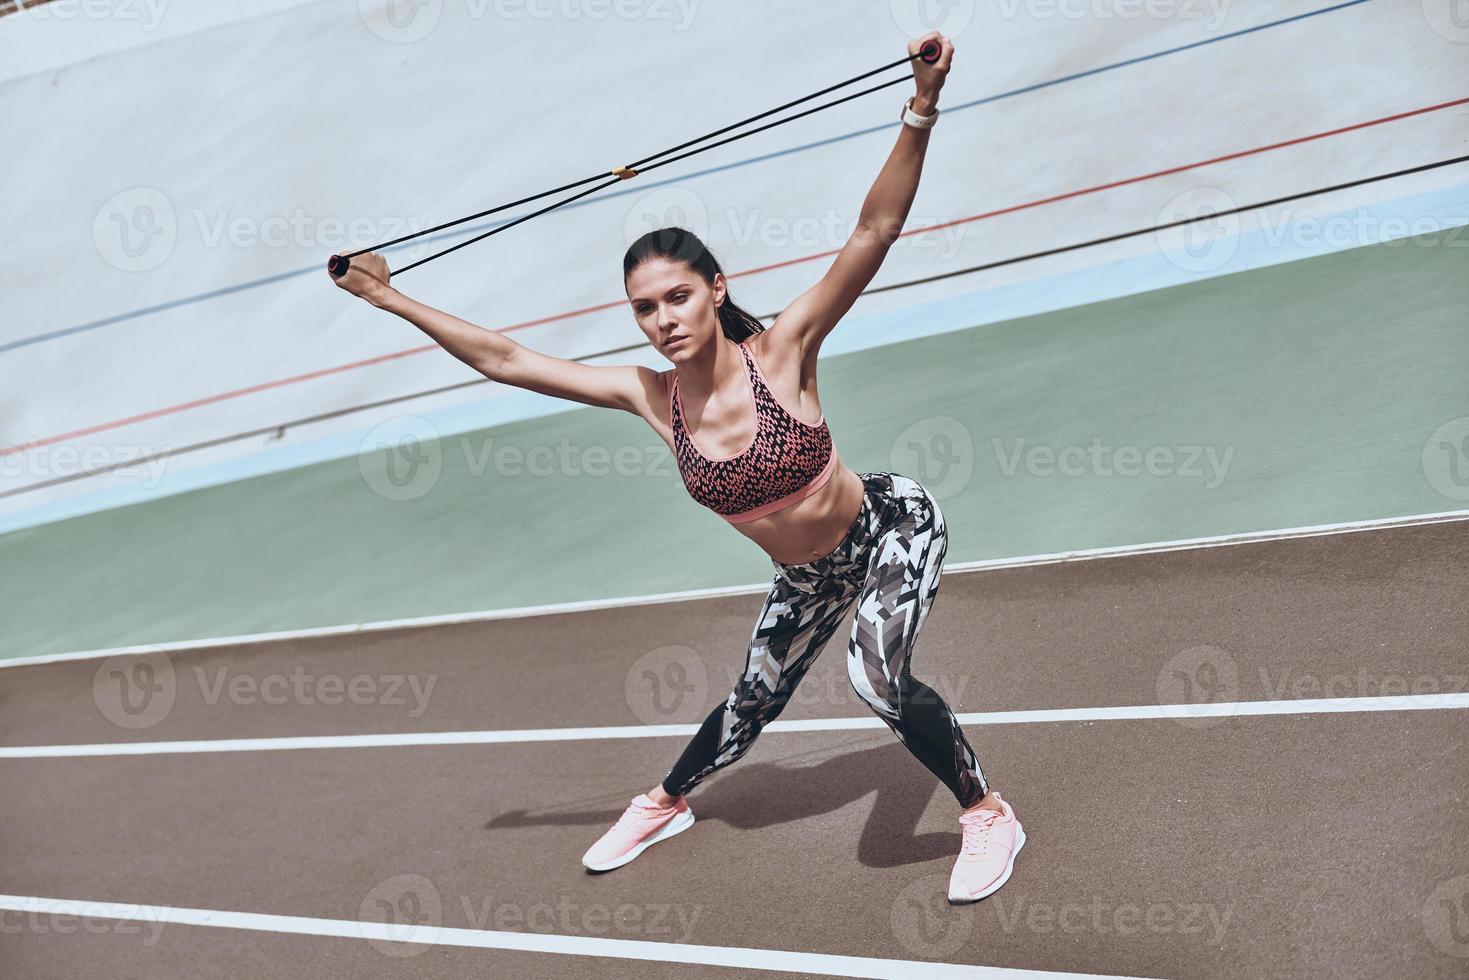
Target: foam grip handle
(930,52)
(338,266)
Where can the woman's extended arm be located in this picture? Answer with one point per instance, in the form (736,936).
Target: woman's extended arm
(628,387)
(813,314)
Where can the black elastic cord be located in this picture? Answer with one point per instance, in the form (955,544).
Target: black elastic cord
(639,166)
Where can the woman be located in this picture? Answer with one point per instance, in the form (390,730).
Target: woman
(835,538)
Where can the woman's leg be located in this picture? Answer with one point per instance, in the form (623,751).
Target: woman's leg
(793,627)
(903,572)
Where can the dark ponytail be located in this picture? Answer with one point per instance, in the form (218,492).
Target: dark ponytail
(682,245)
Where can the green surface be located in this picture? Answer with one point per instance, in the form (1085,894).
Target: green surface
(1318,382)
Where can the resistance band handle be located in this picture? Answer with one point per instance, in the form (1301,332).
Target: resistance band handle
(338,266)
(930,52)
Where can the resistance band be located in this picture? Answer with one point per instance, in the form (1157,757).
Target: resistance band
(338,265)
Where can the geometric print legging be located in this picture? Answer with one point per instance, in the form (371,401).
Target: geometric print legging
(888,565)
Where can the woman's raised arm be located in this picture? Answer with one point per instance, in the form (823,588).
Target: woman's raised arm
(814,313)
(632,388)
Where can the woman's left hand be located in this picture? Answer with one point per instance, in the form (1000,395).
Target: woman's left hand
(928,79)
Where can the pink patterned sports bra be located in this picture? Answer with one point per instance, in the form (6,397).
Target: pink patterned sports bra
(788,459)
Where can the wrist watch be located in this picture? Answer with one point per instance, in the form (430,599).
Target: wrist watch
(913,119)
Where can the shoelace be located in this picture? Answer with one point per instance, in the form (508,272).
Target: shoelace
(635,811)
(977,827)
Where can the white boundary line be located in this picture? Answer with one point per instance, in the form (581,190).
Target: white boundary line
(737,957)
(590,605)
(1144,712)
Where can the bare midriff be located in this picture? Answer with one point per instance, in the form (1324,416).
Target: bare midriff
(813,526)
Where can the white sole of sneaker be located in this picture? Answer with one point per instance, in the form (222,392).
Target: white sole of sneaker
(964,899)
(677,825)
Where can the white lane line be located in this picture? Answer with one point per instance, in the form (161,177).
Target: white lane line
(591,605)
(822,964)
(1141,712)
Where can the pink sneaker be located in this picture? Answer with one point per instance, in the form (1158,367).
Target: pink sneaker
(992,838)
(642,824)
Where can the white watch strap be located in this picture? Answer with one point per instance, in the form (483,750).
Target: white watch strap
(913,119)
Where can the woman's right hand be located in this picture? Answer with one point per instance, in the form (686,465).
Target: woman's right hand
(367,276)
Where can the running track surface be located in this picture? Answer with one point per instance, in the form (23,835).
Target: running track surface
(1288,845)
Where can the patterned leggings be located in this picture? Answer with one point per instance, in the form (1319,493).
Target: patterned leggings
(889,565)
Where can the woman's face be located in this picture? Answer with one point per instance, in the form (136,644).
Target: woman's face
(674,306)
